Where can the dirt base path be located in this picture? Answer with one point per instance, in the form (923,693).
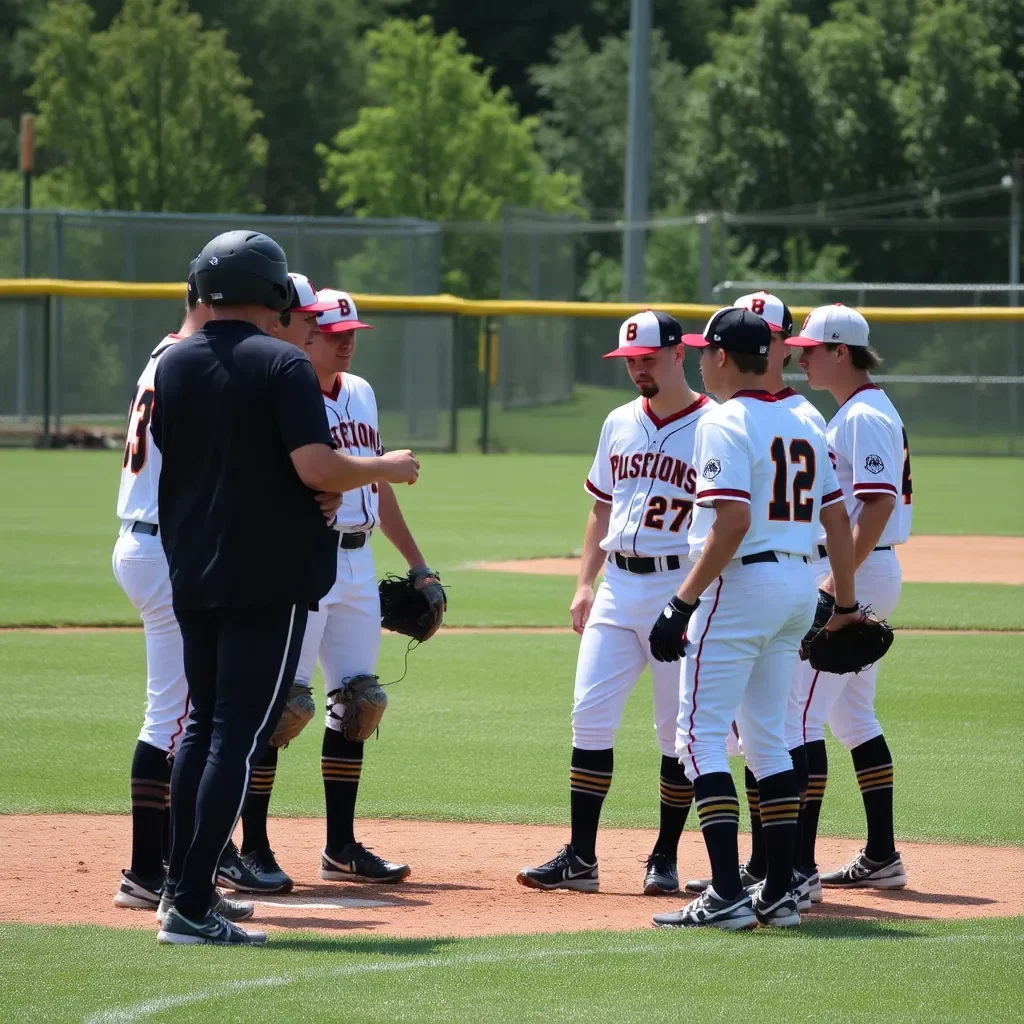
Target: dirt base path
(64,869)
(923,559)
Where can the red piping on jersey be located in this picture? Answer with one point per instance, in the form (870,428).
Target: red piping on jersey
(760,395)
(335,391)
(596,492)
(863,387)
(659,423)
(723,492)
(807,706)
(784,393)
(696,674)
(831,497)
(871,488)
(178,730)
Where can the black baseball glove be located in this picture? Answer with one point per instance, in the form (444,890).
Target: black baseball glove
(850,648)
(413,605)
(668,635)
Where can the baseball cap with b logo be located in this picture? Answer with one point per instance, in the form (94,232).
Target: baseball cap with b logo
(646,333)
(832,325)
(339,313)
(735,330)
(304,298)
(770,308)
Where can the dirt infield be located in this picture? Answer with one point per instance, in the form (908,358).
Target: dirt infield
(63,869)
(923,559)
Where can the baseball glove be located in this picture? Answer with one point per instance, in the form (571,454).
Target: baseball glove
(850,648)
(413,605)
(359,705)
(297,714)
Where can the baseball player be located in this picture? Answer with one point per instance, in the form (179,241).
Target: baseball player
(764,483)
(868,443)
(779,319)
(642,482)
(345,632)
(140,567)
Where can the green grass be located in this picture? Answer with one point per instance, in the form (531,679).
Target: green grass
(481,708)
(832,970)
(57,510)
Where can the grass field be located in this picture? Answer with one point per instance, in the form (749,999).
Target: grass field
(479,731)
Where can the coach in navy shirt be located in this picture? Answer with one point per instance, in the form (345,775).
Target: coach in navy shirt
(239,419)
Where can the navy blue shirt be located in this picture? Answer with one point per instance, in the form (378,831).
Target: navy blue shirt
(239,527)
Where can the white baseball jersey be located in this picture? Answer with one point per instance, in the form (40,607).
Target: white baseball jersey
(645,468)
(352,418)
(140,472)
(756,449)
(869,442)
(792,399)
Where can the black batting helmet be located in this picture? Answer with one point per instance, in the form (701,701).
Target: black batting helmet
(243,268)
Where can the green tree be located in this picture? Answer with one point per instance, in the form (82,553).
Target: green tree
(583,132)
(437,141)
(956,97)
(149,114)
(753,140)
(1004,20)
(15,21)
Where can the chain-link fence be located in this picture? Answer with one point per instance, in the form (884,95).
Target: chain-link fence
(99,346)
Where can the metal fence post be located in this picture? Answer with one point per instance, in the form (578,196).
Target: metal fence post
(23,318)
(454,351)
(1014,296)
(704,279)
(47,440)
(58,324)
(485,389)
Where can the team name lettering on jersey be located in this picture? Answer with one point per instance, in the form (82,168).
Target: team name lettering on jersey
(351,409)
(655,466)
(349,434)
(645,469)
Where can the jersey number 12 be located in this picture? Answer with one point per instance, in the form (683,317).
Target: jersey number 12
(801,510)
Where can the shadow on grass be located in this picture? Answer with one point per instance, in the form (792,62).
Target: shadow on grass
(366,946)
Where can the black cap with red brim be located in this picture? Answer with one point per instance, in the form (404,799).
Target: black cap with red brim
(735,330)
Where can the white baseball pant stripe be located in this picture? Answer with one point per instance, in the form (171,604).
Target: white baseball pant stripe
(345,633)
(845,702)
(614,650)
(744,638)
(140,567)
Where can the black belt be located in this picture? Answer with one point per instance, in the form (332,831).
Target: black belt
(763,556)
(642,566)
(351,541)
(823,553)
(151,528)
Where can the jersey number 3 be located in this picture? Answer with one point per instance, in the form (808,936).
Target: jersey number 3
(135,450)
(802,509)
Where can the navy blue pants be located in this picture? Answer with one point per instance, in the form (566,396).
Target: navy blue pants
(239,665)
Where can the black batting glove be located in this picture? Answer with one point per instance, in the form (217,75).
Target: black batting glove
(826,603)
(667,639)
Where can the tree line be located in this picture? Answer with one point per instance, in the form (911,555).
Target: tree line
(452,110)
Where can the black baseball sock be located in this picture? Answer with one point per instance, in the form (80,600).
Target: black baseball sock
(676,793)
(151,790)
(817,777)
(798,755)
(873,764)
(718,810)
(756,863)
(780,807)
(590,776)
(257,802)
(341,764)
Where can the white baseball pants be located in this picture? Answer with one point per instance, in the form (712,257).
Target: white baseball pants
(743,644)
(846,702)
(614,651)
(140,567)
(345,633)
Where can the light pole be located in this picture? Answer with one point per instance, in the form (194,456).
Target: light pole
(28,154)
(638,149)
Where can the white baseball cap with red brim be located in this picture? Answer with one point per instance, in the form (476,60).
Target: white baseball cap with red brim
(341,314)
(770,308)
(832,325)
(306,299)
(646,333)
